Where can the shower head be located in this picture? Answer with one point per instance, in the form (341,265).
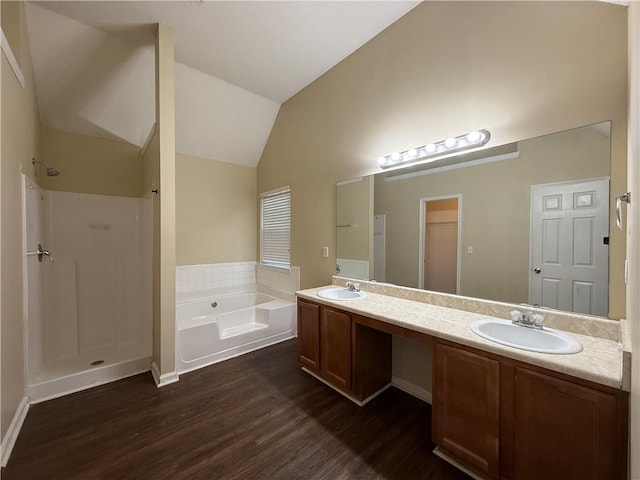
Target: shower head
(51,172)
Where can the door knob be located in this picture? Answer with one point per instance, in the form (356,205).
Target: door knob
(537,270)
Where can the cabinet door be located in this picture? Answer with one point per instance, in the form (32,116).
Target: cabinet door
(335,334)
(466,407)
(563,430)
(309,335)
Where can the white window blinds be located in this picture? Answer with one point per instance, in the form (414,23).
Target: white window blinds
(275,227)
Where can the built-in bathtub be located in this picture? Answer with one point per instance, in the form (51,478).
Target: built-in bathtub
(211,327)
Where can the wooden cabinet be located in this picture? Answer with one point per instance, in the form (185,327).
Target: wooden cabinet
(335,348)
(504,419)
(562,429)
(466,407)
(309,335)
(333,345)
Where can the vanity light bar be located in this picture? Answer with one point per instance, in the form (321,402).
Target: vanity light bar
(474,139)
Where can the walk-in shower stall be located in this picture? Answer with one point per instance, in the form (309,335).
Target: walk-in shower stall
(88,287)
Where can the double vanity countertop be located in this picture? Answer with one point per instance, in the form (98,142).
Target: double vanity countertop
(601,360)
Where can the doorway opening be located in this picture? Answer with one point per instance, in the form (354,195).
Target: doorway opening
(440,237)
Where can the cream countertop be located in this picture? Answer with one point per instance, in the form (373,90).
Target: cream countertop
(600,361)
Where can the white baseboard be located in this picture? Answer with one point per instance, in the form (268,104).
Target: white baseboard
(11,436)
(412,389)
(162,380)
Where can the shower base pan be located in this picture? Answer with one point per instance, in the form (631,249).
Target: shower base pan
(86,370)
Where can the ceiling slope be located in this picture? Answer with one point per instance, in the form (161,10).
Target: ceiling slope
(271,48)
(235,63)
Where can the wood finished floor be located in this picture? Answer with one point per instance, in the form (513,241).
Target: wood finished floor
(253,417)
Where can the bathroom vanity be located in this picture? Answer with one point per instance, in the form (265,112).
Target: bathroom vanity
(499,412)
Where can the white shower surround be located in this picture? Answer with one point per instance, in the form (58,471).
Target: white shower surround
(94,302)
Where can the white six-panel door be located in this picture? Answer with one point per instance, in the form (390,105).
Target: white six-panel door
(569,254)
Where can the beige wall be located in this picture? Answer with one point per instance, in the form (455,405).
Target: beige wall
(89,164)
(12,25)
(18,145)
(495,213)
(443,69)
(216,214)
(355,215)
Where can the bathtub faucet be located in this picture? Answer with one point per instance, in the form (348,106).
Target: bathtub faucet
(353,287)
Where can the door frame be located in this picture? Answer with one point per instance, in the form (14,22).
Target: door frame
(422,239)
(568,182)
(372,272)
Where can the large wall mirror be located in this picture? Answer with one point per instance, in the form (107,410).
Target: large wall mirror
(526,222)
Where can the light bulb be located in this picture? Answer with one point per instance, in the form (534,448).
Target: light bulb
(395,156)
(413,153)
(382,161)
(450,142)
(431,148)
(474,137)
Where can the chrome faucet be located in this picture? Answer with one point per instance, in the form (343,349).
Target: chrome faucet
(353,287)
(530,320)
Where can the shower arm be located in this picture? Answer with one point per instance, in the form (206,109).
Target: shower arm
(51,171)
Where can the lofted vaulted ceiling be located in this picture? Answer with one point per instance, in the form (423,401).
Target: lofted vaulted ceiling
(236,62)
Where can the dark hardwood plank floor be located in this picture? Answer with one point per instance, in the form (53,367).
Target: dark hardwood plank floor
(253,417)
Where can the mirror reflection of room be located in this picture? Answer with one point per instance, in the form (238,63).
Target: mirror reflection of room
(531,225)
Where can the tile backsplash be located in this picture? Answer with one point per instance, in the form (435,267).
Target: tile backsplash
(191,278)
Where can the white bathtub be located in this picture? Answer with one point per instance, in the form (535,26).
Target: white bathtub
(237,324)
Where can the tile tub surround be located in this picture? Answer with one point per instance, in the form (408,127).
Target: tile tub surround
(353,268)
(601,360)
(193,278)
(279,282)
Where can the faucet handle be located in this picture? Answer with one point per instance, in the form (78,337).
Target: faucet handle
(537,319)
(516,315)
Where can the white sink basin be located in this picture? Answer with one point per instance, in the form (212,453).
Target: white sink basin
(524,338)
(338,293)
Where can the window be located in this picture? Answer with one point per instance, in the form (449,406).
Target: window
(275,227)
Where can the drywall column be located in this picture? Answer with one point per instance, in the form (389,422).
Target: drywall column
(164,322)
(633,230)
